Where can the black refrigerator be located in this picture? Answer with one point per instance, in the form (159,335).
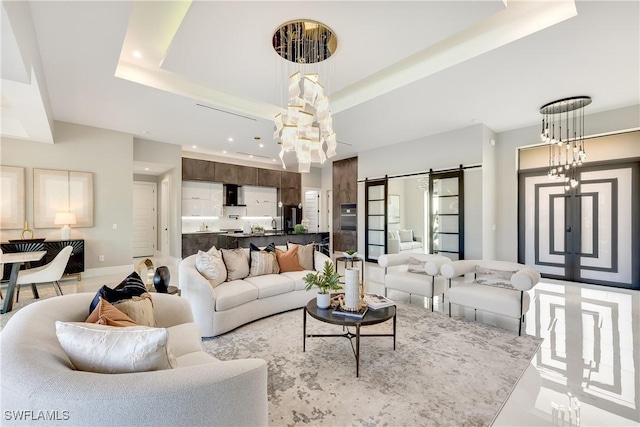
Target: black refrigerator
(291,215)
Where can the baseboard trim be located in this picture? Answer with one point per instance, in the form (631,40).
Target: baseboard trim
(105,271)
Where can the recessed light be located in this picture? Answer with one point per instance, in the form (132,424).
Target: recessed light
(145,132)
(230,139)
(146,169)
(194,146)
(137,54)
(261,145)
(273,160)
(224,151)
(251,156)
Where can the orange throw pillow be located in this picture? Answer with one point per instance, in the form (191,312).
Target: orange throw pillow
(288,261)
(106,314)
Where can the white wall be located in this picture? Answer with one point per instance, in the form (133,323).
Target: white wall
(507,144)
(489,184)
(109,156)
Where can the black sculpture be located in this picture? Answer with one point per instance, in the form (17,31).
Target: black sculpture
(161,279)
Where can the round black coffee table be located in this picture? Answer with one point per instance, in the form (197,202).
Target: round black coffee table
(371,317)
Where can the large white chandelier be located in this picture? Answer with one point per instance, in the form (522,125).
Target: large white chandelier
(566,144)
(306,126)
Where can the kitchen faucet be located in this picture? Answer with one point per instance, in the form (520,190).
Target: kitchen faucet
(273,223)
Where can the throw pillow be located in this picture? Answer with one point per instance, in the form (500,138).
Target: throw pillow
(211,266)
(497,278)
(305,254)
(263,262)
(131,286)
(139,309)
(406,236)
(236,263)
(416,266)
(108,350)
(288,261)
(394,234)
(271,247)
(106,314)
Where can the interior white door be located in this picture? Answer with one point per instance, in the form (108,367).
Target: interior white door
(144,218)
(312,209)
(165,247)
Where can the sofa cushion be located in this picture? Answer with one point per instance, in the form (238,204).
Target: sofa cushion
(414,265)
(211,265)
(406,235)
(263,262)
(488,298)
(273,284)
(236,262)
(288,261)
(193,359)
(413,283)
(234,293)
(394,234)
(305,254)
(297,277)
(112,350)
(184,339)
(106,314)
(140,309)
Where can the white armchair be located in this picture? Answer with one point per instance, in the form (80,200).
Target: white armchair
(415,274)
(497,287)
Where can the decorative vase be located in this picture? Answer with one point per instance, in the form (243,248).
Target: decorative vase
(161,279)
(324,300)
(352,289)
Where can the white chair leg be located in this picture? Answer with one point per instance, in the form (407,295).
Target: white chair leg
(56,286)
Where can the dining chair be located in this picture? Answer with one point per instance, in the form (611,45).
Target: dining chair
(49,273)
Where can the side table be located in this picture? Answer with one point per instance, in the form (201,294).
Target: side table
(350,262)
(172,290)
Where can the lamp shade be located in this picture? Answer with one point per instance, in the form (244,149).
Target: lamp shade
(65,218)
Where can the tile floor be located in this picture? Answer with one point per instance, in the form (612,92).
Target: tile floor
(586,372)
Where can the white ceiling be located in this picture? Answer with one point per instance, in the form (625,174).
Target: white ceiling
(402,69)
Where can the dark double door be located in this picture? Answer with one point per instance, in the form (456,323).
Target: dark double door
(590,234)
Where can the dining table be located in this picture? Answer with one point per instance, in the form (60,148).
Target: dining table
(16,259)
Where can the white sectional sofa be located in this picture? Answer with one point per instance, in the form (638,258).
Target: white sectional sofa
(498,287)
(426,283)
(40,384)
(399,241)
(232,304)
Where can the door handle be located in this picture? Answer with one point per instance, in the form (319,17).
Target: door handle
(569,229)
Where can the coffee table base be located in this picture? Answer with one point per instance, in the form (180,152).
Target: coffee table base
(348,334)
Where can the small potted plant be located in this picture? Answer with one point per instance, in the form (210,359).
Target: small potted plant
(351,253)
(298,229)
(326,281)
(257,229)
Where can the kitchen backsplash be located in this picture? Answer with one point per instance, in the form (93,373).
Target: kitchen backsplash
(193,224)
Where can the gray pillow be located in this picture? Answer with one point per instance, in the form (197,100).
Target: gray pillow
(236,262)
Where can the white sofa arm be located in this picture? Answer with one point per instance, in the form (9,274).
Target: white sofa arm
(319,259)
(198,291)
(393,246)
(433,267)
(458,268)
(525,278)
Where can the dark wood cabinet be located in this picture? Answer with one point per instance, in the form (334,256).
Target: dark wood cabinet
(269,178)
(53,247)
(290,180)
(247,175)
(197,170)
(290,196)
(226,173)
(345,191)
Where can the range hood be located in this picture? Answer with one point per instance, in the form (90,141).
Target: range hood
(233,195)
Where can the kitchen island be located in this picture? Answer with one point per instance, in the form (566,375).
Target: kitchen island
(280,238)
(204,240)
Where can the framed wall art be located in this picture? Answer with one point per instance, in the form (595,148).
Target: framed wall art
(12,199)
(62,191)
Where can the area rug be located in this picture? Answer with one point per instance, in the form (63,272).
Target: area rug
(445,371)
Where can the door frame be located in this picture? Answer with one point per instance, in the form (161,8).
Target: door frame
(374,183)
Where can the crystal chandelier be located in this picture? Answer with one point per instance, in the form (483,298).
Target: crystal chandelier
(306,126)
(563,130)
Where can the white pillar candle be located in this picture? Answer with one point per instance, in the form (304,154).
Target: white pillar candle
(352,288)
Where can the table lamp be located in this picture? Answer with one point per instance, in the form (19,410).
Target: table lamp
(65,219)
